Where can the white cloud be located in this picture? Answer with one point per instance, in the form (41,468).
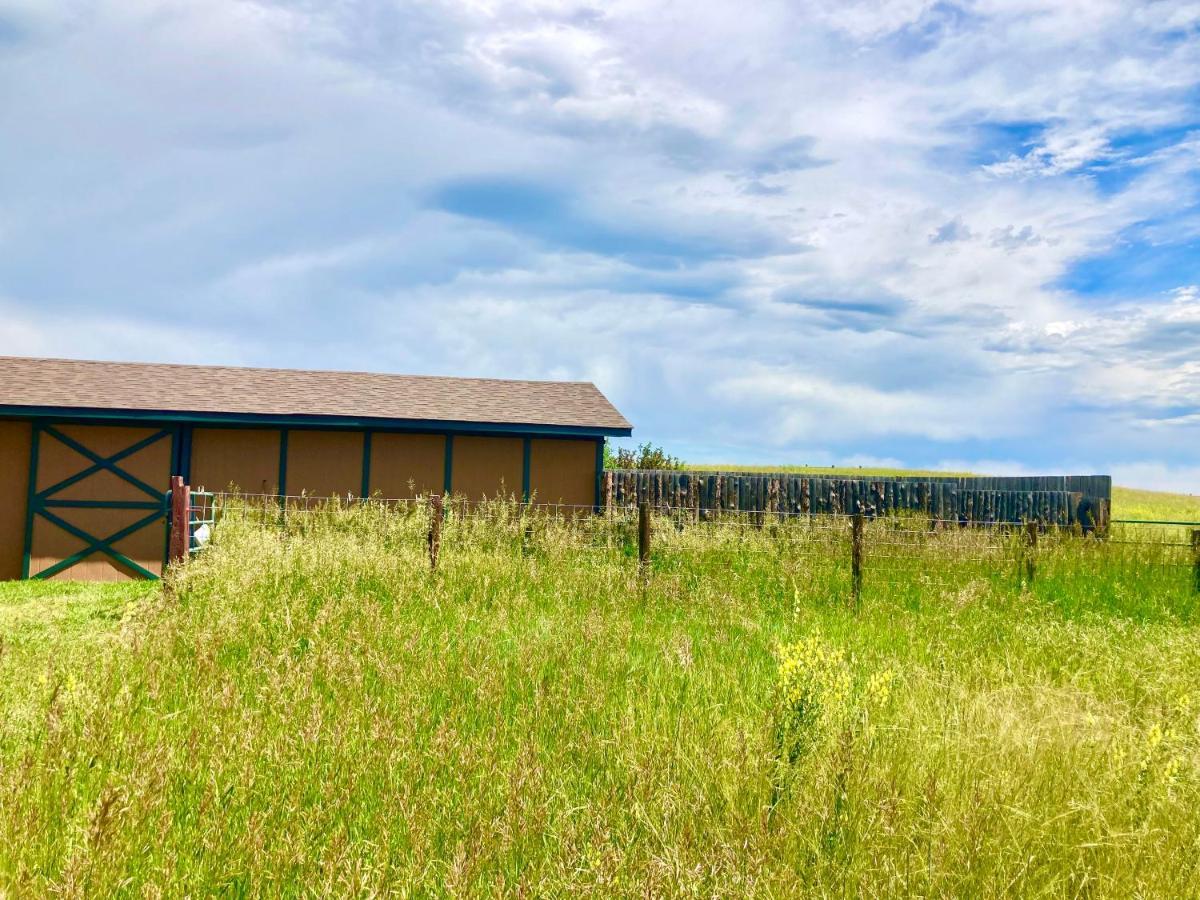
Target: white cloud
(1157,476)
(823,229)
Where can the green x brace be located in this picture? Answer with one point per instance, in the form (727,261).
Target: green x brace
(42,502)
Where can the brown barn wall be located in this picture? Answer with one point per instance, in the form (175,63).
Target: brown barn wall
(563,471)
(324,463)
(487,466)
(57,461)
(245,457)
(398,459)
(51,544)
(14,487)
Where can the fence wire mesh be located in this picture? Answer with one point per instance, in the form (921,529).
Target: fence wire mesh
(894,552)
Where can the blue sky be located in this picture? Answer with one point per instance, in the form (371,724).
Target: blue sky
(925,233)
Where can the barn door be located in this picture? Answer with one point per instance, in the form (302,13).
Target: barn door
(98,511)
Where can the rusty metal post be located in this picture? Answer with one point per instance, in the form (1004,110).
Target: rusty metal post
(856,557)
(643,534)
(435,529)
(180,504)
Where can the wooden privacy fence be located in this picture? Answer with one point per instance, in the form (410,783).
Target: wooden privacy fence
(1052,500)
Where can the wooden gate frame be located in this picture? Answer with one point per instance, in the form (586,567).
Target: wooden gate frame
(40,503)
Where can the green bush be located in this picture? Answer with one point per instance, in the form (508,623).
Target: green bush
(644,456)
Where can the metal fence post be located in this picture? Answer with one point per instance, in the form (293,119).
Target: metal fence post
(643,534)
(856,557)
(1196,556)
(1031,538)
(179,520)
(435,529)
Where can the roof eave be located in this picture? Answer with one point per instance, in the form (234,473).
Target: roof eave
(275,420)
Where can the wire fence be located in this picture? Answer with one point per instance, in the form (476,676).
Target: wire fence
(854,553)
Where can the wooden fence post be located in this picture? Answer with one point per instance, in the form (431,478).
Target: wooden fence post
(1196,556)
(856,555)
(1031,538)
(643,534)
(608,494)
(435,529)
(180,502)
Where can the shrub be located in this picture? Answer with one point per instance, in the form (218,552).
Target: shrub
(644,456)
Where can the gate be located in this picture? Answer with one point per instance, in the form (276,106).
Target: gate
(97,508)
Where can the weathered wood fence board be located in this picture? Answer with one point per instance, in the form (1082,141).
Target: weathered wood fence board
(1051,500)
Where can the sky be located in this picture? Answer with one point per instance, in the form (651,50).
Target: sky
(917,233)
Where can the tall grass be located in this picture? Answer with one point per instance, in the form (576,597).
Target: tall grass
(311,709)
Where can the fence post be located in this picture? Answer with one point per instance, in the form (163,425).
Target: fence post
(856,554)
(1031,538)
(435,529)
(608,493)
(643,534)
(1196,556)
(180,501)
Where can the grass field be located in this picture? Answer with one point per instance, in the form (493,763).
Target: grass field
(312,710)
(1129,503)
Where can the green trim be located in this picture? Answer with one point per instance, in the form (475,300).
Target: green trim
(526,461)
(97,545)
(97,504)
(185,454)
(283,454)
(432,426)
(366,464)
(34,449)
(102,463)
(448,466)
(176,469)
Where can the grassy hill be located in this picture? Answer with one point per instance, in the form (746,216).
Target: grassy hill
(312,710)
(1130,503)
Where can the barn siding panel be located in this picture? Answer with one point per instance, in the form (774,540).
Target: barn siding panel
(51,544)
(563,471)
(247,458)
(487,466)
(407,465)
(15,440)
(324,463)
(57,461)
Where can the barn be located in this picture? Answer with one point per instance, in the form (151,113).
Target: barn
(87,449)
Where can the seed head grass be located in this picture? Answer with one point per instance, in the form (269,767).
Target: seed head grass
(308,708)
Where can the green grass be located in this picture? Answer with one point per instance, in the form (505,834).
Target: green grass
(312,710)
(1129,503)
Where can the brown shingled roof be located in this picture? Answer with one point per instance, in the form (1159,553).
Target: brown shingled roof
(207,390)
